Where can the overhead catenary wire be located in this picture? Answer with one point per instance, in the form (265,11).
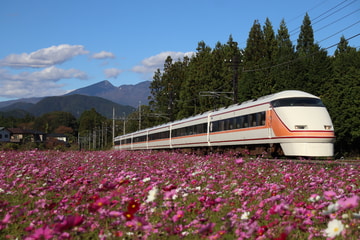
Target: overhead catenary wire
(297,59)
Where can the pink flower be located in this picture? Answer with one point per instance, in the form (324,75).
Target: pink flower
(179,214)
(239,160)
(41,233)
(351,202)
(115,214)
(69,222)
(329,194)
(207,229)
(6,219)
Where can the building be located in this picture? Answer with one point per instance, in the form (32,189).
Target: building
(18,135)
(4,135)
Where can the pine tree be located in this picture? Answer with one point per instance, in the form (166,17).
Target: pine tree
(313,67)
(271,49)
(254,58)
(284,75)
(305,42)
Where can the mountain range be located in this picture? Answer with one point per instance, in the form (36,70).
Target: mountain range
(102,96)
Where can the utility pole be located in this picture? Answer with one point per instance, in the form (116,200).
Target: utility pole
(113,126)
(139,115)
(235,64)
(124,123)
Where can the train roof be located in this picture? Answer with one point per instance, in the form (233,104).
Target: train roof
(264,99)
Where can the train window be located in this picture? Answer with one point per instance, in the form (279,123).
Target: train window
(227,124)
(215,126)
(260,119)
(246,122)
(297,102)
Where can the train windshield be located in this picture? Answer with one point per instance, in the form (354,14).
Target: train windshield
(297,102)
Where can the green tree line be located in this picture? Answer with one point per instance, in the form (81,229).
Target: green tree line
(269,63)
(90,131)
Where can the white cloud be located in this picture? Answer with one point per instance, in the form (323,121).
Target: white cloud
(103,55)
(149,65)
(44,57)
(112,72)
(36,84)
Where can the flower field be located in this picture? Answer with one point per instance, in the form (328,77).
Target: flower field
(168,195)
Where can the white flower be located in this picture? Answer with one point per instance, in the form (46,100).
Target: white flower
(245,216)
(314,198)
(333,207)
(146,179)
(152,194)
(335,227)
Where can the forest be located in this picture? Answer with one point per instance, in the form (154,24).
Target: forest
(226,74)
(270,62)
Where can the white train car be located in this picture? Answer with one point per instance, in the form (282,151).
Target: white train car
(291,123)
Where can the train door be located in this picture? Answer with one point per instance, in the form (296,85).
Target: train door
(269,121)
(209,129)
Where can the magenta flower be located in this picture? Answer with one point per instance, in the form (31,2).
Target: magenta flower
(69,222)
(207,229)
(329,194)
(239,160)
(351,202)
(41,233)
(179,214)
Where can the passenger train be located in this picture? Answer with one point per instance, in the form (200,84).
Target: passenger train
(290,123)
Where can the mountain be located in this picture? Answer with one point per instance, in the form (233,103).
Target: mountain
(34,100)
(102,96)
(75,104)
(125,95)
(130,95)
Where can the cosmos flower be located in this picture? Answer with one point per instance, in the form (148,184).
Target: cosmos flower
(42,233)
(335,227)
(133,206)
(152,194)
(69,222)
(179,214)
(245,216)
(347,203)
(239,160)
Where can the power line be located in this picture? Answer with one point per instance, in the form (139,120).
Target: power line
(297,59)
(297,30)
(340,31)
(337,20)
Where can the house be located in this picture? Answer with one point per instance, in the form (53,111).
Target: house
(4,135)
(57,136)
(18,135)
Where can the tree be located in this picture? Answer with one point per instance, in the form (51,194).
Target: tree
(285,55)
(49,122)
(254,58)
(305,41)
(313,65)
(89,121)
(343,98)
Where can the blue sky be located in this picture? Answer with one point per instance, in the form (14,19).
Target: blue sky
(50,47)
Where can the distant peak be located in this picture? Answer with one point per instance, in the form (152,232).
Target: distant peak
(106,82)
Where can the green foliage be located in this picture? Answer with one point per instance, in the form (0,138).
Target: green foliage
(49,122)
(90,120)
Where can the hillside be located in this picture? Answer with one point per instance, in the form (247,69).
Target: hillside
(74,104)
(125,94)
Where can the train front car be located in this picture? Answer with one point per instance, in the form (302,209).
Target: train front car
(301,124)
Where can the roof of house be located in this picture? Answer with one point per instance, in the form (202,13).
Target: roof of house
(23,131)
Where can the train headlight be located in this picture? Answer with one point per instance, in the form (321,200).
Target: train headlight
(327,127)
(300,126)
